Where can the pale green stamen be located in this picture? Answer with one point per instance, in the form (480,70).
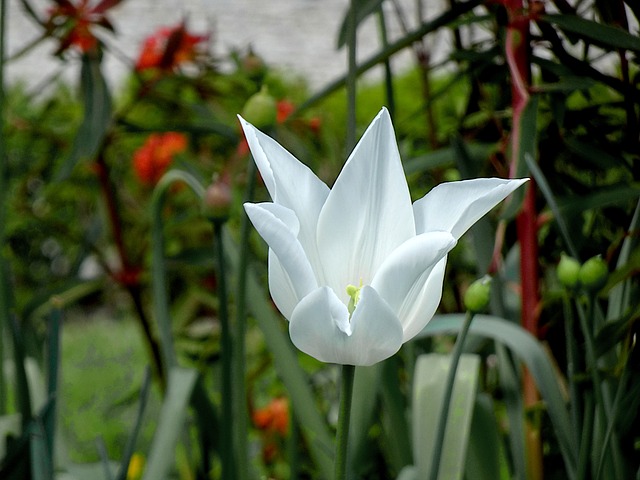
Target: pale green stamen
(354,297)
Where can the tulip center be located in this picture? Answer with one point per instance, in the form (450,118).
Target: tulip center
(354,297)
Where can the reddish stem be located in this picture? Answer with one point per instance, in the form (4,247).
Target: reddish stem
(129,275)
(517,55)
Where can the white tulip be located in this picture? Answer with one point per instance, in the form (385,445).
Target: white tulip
(356,269)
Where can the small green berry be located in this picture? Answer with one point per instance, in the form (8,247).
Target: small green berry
(261,109)
(476,298)
(593,274)
(568,271)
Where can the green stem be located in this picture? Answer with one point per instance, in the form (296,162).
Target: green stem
(572,358)
(586,323)
(446,400)
(352,75)
(344,415)
(158,264)
(227,444)
(4,270)
(241,427)
(388,73)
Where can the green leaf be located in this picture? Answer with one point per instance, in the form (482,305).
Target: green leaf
(594,32)
(97,115)
(428,389)
(484,452)
(478,153)
(395,425)
(173,414)
(531,352)
(313,428)
(133,436)
(527,145)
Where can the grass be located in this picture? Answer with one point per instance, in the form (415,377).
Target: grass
(103,364)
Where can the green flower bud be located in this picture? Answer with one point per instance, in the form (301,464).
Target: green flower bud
(593,274)
(567,271)
(476,298)
(261,109)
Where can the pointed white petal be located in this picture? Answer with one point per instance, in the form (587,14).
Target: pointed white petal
(418,313)
(277,225)
(282,291)
(368,212)
(402,278)
(455,206)
(320,327)
(291,184)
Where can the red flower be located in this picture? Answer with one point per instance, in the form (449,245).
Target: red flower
(72,23)
(153,158)
(168,48)
(274,417)
(285,109)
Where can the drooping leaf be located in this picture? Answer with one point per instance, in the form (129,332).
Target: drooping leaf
(96,100)
(529,351)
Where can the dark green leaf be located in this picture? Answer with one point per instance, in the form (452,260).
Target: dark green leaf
(97,115)
(594,32)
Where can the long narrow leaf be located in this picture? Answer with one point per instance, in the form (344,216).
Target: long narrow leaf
(313,428)
(171,423)
(97,115)
(542,183)
(532,354)
(595,32)
(133,435)
(428,391)
(158,267)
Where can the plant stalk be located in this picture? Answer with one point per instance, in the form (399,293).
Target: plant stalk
(446,399)
(344,416)
(227,443)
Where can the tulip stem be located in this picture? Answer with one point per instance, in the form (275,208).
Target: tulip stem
(446,400)
(227,444)
(344,415)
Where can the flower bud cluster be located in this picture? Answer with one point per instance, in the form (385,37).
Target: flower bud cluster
(590,276)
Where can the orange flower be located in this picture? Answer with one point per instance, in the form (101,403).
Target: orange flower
(72,23)
(274,417)
(169,47)
(153,158)
(285,109)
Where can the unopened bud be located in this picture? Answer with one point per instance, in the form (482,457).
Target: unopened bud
(261,109)
(477,296)
(217,200)
(568,271)
(593,274)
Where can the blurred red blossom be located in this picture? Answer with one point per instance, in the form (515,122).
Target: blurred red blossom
(153,158)
(168,48)
(274,417)
(72,23)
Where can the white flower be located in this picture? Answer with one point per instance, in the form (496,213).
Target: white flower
(356,269)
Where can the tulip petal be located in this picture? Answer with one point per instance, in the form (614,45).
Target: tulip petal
(404,276)
(368,212)
(455,206)
(291,184)
(278,226)
(320,327)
